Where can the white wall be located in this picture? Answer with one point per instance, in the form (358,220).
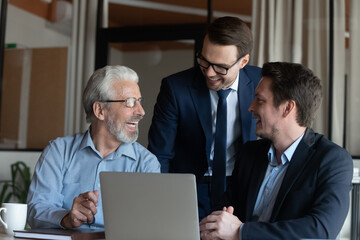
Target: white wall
(32,31)
(9,157)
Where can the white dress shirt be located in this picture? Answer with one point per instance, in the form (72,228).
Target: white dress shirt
(233,126)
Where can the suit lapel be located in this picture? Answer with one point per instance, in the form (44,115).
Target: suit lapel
(301,157)
(245,96)
(259,165)
(201,99)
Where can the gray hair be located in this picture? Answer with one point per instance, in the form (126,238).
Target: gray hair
(99,86)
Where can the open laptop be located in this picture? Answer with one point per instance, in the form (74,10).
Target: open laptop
(149,206)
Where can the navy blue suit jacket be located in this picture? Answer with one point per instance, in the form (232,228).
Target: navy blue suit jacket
(313,200)
(181,131)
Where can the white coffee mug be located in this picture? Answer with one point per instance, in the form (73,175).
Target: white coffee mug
(13,216)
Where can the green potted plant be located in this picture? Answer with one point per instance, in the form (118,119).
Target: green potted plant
(16,189)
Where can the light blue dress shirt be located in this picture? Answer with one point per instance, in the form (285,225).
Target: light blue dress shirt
(70,166)
(272,182)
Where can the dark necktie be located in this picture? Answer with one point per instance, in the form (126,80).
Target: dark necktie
(218,181)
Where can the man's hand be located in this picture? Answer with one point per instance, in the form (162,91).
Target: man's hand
(220,225)
(83,210)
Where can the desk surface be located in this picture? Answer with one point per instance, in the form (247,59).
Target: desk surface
(4,236)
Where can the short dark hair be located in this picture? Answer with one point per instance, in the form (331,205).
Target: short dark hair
(231,31)
(291,81)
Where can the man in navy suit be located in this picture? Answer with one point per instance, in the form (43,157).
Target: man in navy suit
(184,123)
(293,183)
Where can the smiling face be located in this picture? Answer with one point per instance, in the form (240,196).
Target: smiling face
(223,55)
(269,117)
(121,121)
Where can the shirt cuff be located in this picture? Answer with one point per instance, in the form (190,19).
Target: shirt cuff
(240,231)
(59,217)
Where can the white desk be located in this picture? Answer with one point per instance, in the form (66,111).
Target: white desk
(4,236)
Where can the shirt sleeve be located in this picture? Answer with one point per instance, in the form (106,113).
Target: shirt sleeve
(148,161)
(45,198)
(240,231)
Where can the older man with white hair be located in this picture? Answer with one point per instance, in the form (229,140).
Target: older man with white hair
(65,190)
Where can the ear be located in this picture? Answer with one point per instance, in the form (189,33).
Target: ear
(98,109)
(244,60)
(289,107)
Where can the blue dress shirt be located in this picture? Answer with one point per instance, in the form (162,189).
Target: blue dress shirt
(70,166)
(273,179)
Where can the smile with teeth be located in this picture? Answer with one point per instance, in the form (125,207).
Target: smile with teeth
(214,79)
(258,122)
(132,125)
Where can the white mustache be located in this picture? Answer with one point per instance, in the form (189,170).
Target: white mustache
(134,119)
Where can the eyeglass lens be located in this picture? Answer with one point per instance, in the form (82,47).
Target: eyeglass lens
(130,102)
(205,64)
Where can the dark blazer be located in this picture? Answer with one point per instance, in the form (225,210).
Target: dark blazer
(181,131)
(313,200)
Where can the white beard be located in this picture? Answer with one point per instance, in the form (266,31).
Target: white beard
(119,131)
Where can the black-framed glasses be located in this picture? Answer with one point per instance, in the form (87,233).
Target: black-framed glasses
(216,67)
(129,102)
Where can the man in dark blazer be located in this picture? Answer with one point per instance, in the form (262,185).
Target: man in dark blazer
(293,183)
(183,126)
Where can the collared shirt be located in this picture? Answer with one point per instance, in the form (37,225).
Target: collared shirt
(272,182)
(233,126)
(70,166)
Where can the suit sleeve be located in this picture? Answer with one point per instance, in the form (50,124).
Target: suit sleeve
(163,129)
(323,214)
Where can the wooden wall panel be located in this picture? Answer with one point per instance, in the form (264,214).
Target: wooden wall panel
(47,96)
(10,98)
(121,16)
(33,97)
(37,7)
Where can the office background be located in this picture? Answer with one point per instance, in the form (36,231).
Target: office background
(52,53)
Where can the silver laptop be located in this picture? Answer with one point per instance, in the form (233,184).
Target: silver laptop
(149,206)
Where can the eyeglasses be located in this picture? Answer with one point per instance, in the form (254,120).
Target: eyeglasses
(216,67)
(129,102)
